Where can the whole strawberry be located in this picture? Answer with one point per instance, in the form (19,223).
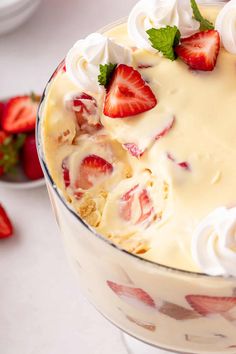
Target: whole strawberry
(19,114)
(6,229)
(30,160)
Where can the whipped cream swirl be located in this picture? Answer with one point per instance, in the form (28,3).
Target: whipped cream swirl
(84,58)
(226,25)
(160,13)
(214,243)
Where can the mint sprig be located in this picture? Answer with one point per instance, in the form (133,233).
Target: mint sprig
(106,72)
(204,23)
(164,40)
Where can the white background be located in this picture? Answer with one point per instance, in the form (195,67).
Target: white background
(42,309)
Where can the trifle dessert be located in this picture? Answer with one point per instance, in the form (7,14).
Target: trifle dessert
(137,136)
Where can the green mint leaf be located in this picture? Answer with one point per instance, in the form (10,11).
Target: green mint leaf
(204,23)
(165,39)
(106,72)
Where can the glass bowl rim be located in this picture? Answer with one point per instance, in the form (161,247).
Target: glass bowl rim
(59,195)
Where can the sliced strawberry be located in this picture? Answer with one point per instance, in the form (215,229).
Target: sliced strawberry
(201,50)
(86,111)
(128,94)
(20,113)
(6,229)
(207,305)
(66,173)
(133,149)
(30,160)
(145,204)
(92,168)
(184,165)
(131,295)
(166,130)
(127,201)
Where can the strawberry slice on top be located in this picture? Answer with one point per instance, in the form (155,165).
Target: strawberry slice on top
(128,94)
(20,113)
(92,168)
(200,51)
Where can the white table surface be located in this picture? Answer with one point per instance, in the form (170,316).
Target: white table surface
(42,309)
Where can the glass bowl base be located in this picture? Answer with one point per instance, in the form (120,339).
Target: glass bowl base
(135,346)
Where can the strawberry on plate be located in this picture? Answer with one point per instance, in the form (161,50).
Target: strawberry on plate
(92,168)
(6,229)
(200,51)
(2,105)
(30,160)
(134,296)
(20,113)
(128,94)
(207,305)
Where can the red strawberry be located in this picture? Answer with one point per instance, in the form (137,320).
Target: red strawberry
(207,305)
(133,149)
(30,160)
(93,167)
(20,113)
(6,229)
(201,50)
(136,295)
(2,105)
(128,94)
(184,165)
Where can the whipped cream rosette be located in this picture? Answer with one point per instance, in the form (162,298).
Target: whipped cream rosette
(85,57)
(214,243)
(226,25)
(157,14)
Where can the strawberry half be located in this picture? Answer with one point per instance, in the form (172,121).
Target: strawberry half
(92,168)
(20,113)
(207,305)
(201,50)
(6,229)
(134,296)
(30,160)
(128,94)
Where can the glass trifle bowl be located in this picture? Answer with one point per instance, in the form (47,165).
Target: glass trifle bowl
(155,306)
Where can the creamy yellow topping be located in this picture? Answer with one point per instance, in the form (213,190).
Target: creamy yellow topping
(187,173)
